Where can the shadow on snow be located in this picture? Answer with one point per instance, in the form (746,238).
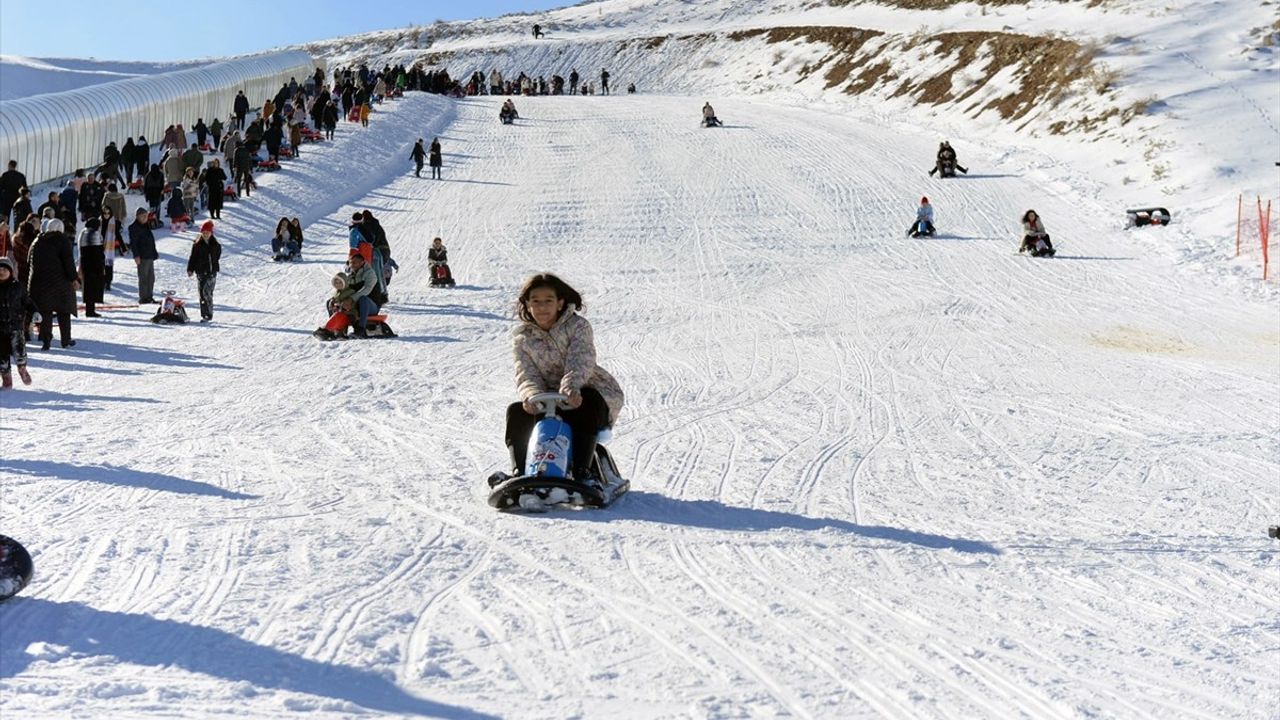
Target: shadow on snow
(714,515)
(144,640)
(118,475)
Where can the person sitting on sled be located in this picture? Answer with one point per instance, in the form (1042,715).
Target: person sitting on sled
(508,112)
(362,282)
(709,118)
(924,220)
(438,260)
(947,161)
(1034,237)
(554,349)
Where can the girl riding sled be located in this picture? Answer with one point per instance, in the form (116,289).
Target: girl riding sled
(554,350)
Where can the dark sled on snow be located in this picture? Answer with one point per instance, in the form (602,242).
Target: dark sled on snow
(16,567)
(1141,217)
(536,493)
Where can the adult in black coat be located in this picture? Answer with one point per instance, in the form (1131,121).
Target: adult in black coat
(11,184)
(202,131)
(273,137)
(53,283)
(419,156)
(142,155)
(22,208)
(241,108)
(153,188)
(128,159)
(215,180)
(142,243)
(90,202)
(437,160)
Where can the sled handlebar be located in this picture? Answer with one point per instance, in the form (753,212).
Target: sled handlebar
(548,402)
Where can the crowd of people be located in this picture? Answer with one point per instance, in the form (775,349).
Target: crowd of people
(71,242)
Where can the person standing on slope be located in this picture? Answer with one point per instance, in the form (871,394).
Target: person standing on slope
(419,156)
(437,160)
(604,82)
(15,307)
(203,264)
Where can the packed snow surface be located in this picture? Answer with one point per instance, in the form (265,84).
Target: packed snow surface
(871,476)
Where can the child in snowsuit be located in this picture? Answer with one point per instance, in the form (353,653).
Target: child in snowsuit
(177,211)
(15,306)
(923,226)
(554,349)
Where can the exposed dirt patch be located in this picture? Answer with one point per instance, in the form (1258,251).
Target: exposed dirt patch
(845,43)
(1132,339)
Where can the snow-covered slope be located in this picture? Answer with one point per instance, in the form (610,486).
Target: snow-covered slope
(872,476)
(1152,102)
(24,77)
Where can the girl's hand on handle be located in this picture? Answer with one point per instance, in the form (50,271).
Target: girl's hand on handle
(530,408)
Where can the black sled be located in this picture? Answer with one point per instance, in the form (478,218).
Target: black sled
(547,482)
(16,567)
(1141,217)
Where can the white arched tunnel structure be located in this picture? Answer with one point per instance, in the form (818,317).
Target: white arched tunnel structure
(53,135)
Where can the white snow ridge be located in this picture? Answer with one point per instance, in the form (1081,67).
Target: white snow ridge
(871,476)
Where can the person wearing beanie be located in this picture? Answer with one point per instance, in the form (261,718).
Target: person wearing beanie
(52,282)
(142,243)
(923,225)
(15,307)
(203,264)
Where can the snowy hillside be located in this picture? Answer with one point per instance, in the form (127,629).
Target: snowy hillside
(1173,103)
(23,77)
(872,476)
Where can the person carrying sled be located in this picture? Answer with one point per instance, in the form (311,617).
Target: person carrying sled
(419,156)
(923,226)
(15,307)
(554,349)
(709,118)
(947,163)
(203,264)
(537,31)
(1034,237)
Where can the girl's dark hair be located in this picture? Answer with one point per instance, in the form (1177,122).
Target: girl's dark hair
(284,222)
(572,300)
(1029,213)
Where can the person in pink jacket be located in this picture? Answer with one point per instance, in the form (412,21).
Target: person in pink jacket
(554,351)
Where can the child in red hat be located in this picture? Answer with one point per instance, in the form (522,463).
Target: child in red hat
(203,263)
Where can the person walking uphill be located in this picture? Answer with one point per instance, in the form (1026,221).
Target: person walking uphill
(53,283)
(437,160)
(203,264)
(419,156)
(11,184)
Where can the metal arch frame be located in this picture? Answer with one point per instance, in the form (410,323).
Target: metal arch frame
(52,135)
